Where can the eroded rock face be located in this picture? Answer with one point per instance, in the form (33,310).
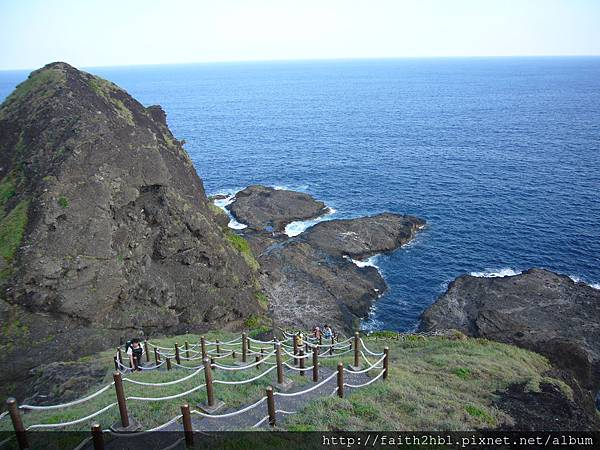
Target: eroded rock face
(262,207)
(108,230)
(538,310)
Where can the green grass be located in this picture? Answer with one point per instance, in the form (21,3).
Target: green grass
(107,91)
(242,246)
(42,81)
(12,228)
(435,383)
(7,191)
(423,390)
(262,299)
(63,202)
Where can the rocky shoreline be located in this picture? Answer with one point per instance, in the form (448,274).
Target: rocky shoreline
(312,277)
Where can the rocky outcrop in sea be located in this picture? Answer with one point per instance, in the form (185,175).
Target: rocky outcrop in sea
(313,278)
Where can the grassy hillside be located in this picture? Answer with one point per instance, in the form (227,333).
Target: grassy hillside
(435,383)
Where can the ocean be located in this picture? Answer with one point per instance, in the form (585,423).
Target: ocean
(501,156)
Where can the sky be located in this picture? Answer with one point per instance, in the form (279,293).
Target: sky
(89,33)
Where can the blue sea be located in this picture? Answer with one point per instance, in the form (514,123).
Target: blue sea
(501,156)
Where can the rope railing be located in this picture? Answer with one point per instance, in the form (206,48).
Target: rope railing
(208,365)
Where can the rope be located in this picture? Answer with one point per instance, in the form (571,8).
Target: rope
(237,340)
(281,411)
(335,355)
(188,368)
(369,351)
(293,394)
(73,422)
(167,383)
(297,356)
(260,422)
(74,402)
(375,365)
(367,383)
(3,415)
(246,381)
(169,397)
(231,414)
(142,433)
(232,368)
(298,369)
(334,392)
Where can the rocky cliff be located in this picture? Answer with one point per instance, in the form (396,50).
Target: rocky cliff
(105,230)
(538,310)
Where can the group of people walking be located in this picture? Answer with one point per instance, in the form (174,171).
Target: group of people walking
(325,333)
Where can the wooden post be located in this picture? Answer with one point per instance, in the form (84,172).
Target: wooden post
(233,354)
(320,339)
(332,344)
(340,380)
(316,364)
(15,417)
(210,396)
(257,359)
(301,362)
(244,348)
(295,349)
(262,354)
(187,349)
(121,399)
(146,351)
(177,353)
(116,363)
(156,356)
(386,362)
(119,355)
(97,437)
(279,364)
(356,349)
(203,346)
(187,425)
(168,363)
(218,347)
(271,406)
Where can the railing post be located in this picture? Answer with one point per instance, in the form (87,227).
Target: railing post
(233,354)
(332,344)
(295,349)
(218,347)
(257,359)
(279,364)
(146,351)
(187,349)
(187,425)
(116,363)
(386,362)
(244,347)
(119,355)
(121,399)
(315,364)
(203,346)
(356,349)
(340,380)
(15,417)
(262,353)
(271,406)
(156,356)
(210,396)
(177,353)
(301,362)
(168,363)
(97,437)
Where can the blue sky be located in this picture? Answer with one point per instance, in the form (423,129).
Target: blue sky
(109,32)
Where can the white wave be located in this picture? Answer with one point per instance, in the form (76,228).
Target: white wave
(223,203)
(577,279)
(370,262)
(295,228)
(301,188)
(497,273)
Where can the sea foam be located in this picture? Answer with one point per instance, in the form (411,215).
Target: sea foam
(297,227)
(223,203)
(497,273)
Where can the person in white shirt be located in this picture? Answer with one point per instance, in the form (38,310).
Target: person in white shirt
(135,352)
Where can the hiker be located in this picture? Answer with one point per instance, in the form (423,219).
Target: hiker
(135,351)
(299,339)
(317,333)
(327,332)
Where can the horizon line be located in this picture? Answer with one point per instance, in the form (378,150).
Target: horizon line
(284,60)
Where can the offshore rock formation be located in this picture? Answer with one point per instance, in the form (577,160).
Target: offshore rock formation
(105,229)
(310,278)
(262,207)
